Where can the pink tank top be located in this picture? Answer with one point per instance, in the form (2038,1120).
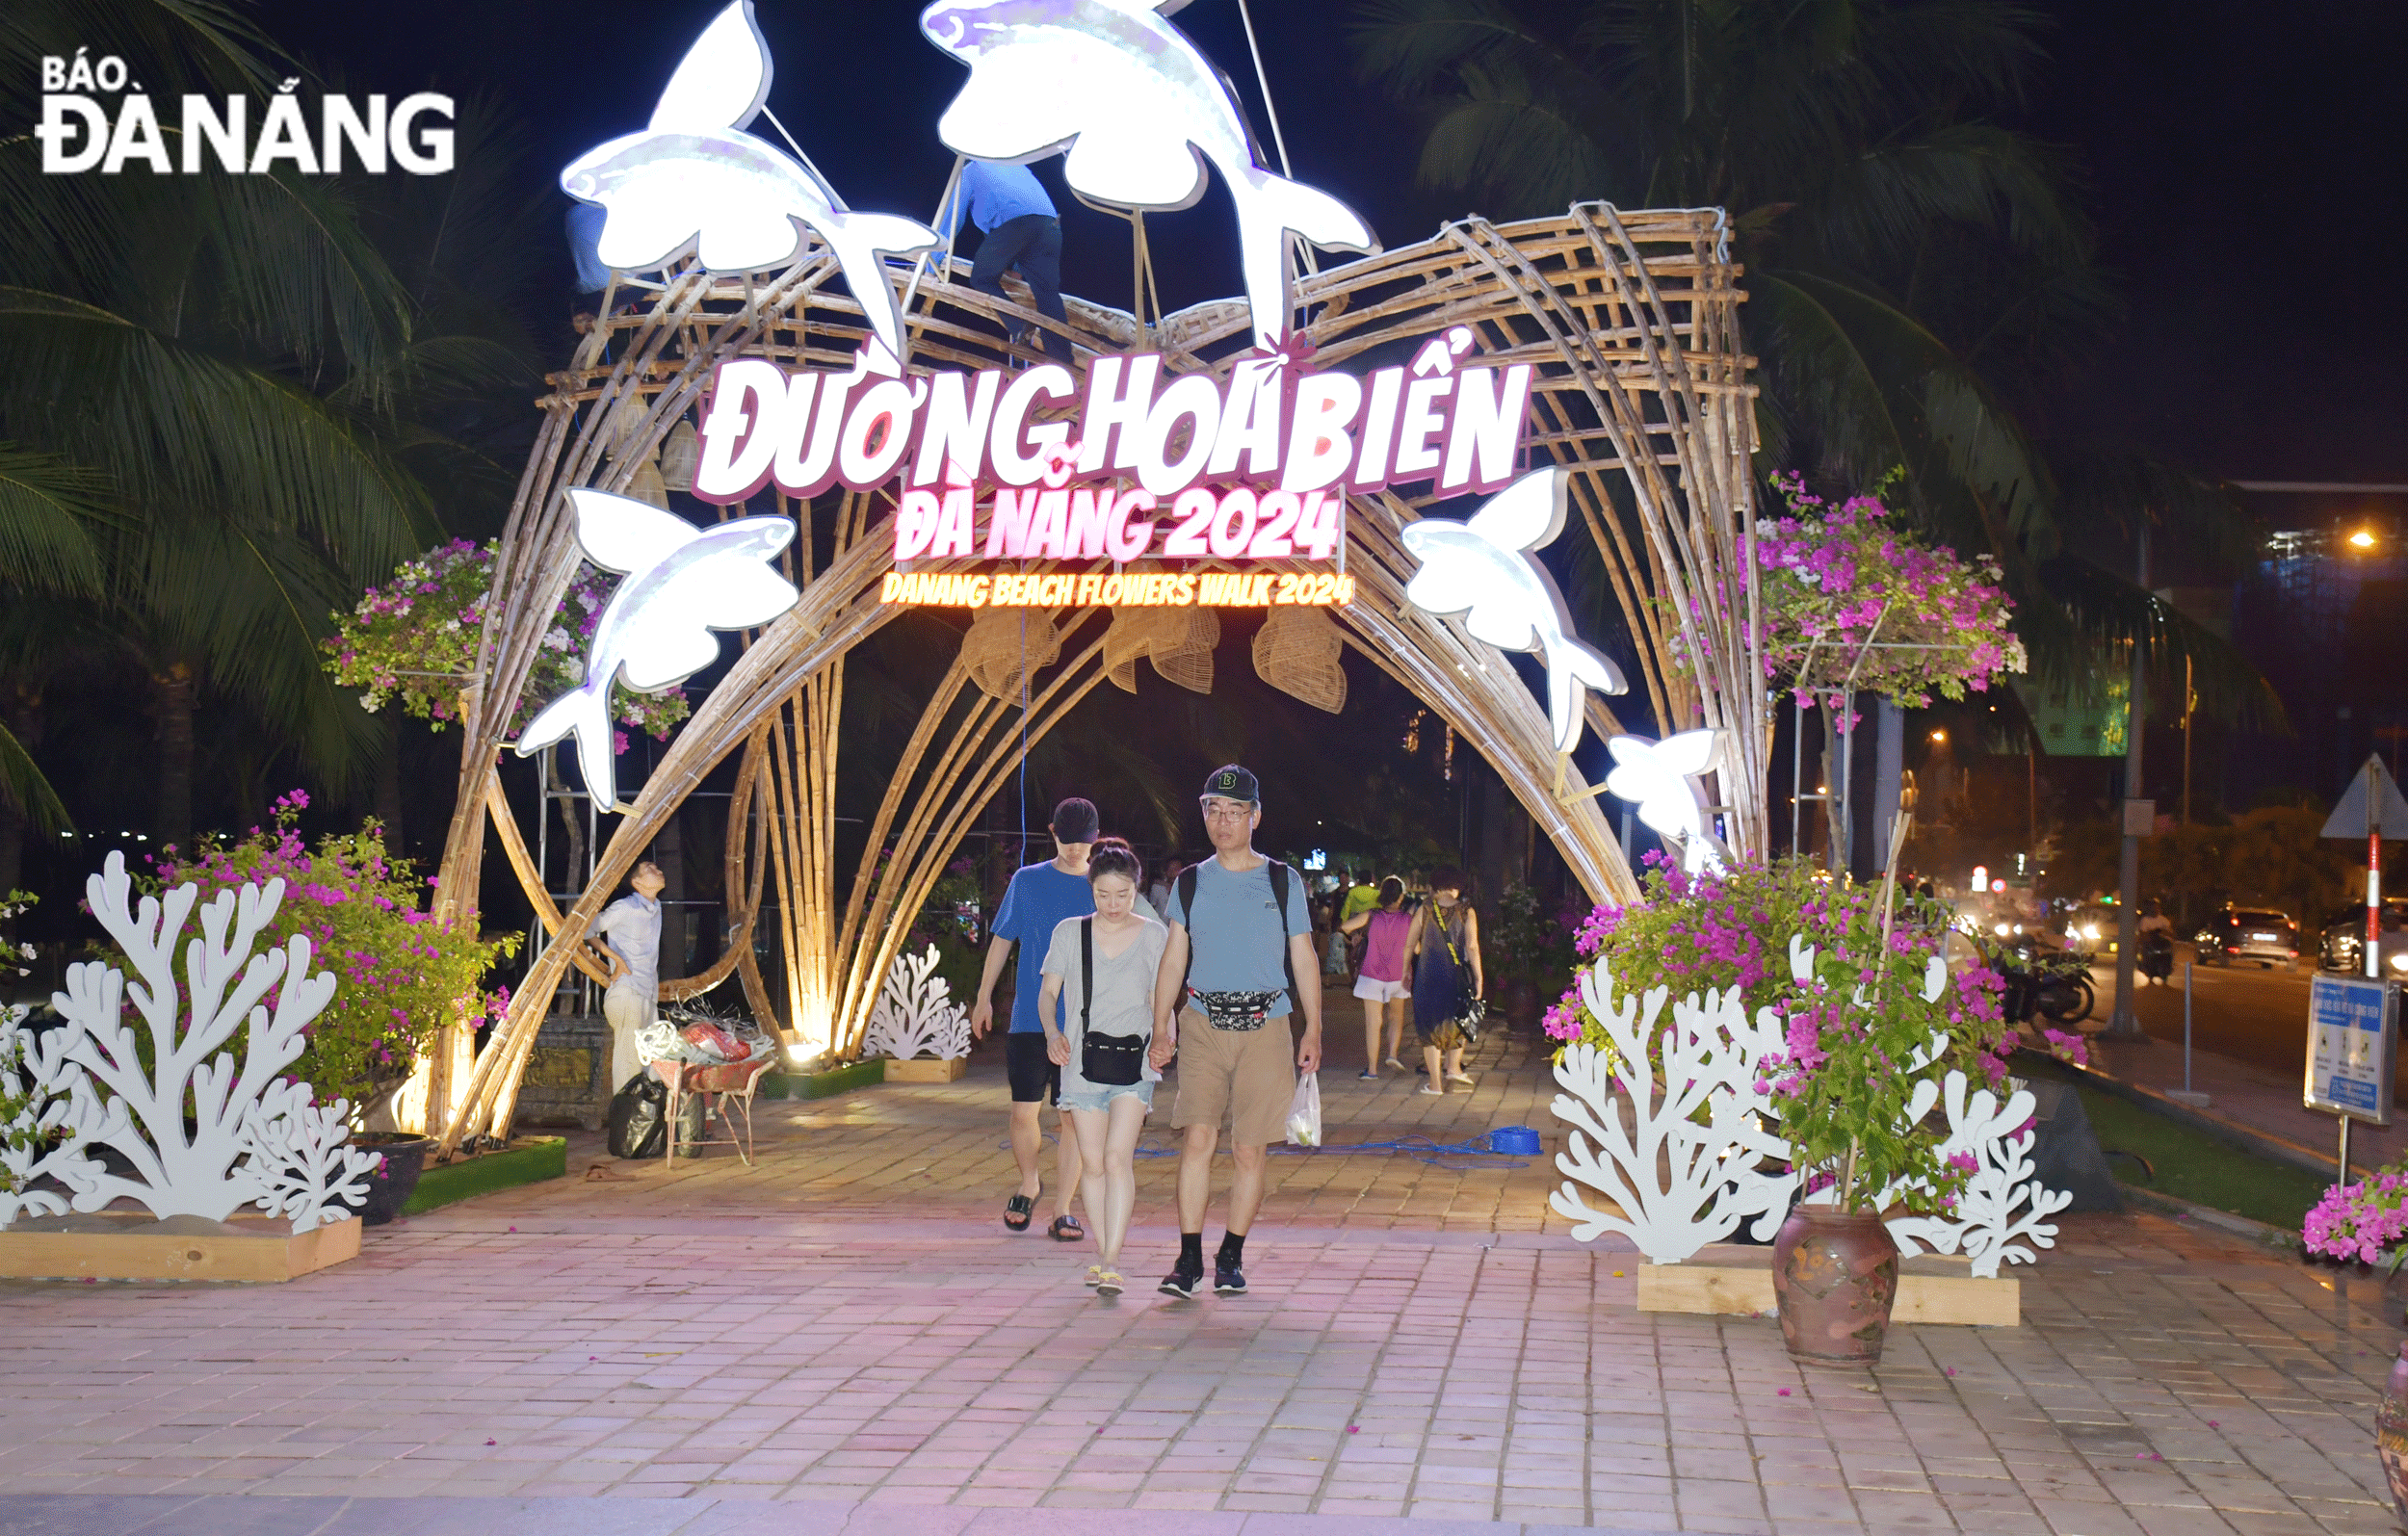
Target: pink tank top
(1384,951)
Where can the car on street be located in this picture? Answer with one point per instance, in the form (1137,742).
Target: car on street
(2344,943)
(2257,933)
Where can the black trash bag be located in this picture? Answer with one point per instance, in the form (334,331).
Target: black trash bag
(638,1118)
(2065,1149)
(638,1124)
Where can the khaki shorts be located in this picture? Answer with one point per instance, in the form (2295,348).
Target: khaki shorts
(1247,1077)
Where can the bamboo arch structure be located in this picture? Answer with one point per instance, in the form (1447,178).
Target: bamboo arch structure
(1641,390)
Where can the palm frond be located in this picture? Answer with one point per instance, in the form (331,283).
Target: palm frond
(188,429)
(49,509)
(22,785)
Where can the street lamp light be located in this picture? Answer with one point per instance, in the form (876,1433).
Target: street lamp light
(2364,538)
(1940,736)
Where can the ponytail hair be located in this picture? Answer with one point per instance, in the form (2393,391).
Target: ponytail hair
(1391,894)
(1112,855)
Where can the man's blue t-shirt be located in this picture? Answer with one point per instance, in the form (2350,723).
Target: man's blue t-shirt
(1038,897)
(1237,939)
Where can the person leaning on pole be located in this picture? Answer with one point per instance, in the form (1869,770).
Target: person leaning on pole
(1038,899)
(1239,965)
(629,931)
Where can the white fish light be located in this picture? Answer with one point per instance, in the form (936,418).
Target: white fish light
(1662,779)
(682,583)
(1140,110)
(1485,570)
(695,176)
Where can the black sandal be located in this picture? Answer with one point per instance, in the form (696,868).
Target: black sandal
(1018,1211)
(1065,1229)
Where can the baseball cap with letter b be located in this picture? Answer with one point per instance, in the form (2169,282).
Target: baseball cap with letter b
(1233,783)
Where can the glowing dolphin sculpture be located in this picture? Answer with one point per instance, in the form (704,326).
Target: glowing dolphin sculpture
(1142,110)
(682,583)
(694,171)
(1660,779)
(1484,570)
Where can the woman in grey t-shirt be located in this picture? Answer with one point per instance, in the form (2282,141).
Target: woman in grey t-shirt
(1106,1081)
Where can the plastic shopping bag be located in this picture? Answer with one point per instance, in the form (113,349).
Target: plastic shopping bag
(1304,1112)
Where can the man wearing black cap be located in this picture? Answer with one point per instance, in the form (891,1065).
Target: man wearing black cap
(1241,951)
(1040,897)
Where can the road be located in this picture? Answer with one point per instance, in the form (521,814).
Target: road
(2242,1012)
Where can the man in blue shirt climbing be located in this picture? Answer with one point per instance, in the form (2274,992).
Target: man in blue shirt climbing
(1041,897)
(1022,230)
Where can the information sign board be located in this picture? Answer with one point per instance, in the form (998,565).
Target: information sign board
(2353,1035)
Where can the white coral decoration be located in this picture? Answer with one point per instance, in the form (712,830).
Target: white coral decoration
(916,1015)
(311,1174)
(2002,1201)
(1680,1184)
(247,1123)
(36,1077)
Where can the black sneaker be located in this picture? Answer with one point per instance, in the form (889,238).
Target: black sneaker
(1181,1283)
(1228,1280)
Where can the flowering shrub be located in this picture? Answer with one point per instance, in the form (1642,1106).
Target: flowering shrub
(1860,1024)
(400,975)
(415,638)
(14,904)
(2364,1221)
(1831,573)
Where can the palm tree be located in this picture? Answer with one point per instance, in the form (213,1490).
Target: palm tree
(236,369)
(1919,275)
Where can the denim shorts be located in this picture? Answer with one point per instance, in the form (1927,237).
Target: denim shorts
(1096,1097)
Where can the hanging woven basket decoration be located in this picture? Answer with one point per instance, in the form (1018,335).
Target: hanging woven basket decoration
(1005,646)
(1180,640)
(1297,652)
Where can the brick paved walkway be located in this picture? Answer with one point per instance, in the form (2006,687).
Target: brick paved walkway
(847,1331)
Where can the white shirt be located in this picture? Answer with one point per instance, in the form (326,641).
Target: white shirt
(631,926)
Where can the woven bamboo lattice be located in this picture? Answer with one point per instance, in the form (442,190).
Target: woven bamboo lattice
(1297,651)
(1632,322)
(1007,646)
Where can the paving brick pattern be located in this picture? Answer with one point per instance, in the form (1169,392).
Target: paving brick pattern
(847,1325)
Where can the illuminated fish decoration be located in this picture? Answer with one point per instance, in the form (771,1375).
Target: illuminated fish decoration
(1142,110)
(1660,779)
(682,583)
(1484,570)
(694,172)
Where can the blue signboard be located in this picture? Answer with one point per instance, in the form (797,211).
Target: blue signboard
(2351,1034)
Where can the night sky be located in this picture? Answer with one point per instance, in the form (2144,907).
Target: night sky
(2244,164)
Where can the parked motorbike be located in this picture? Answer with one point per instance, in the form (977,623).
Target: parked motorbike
(2055,985)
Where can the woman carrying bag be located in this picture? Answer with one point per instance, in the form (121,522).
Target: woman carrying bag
(1104,968)
(1382,981)
(1447,980)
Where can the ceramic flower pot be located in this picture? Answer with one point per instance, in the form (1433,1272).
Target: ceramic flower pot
(2391,1433)
(392,1185)
(1834,1278)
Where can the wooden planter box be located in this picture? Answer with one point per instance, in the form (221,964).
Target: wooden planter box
(136,1248)
(926,1069)
(1734,1280)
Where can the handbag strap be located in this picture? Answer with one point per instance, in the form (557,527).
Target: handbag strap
(1447,933)
(1087,971)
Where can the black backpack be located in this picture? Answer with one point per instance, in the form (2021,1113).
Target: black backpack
(1278,892)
